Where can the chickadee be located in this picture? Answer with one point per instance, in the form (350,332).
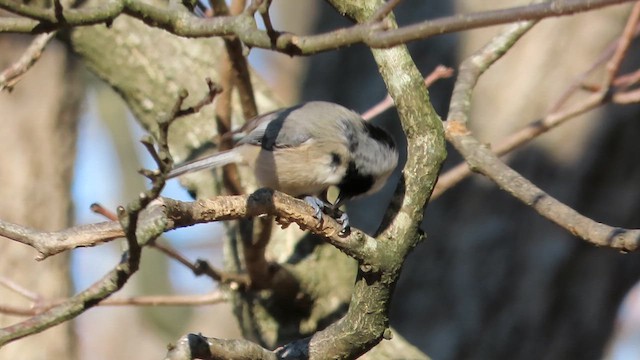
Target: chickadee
(305,149)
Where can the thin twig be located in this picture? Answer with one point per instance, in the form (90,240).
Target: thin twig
(20,290)
(48,243)
(214,89)
(627,97)
(101,210)
(557,117)
(266,19)
(230,175)
(453,176)
(627,80)
(202,267)
(253,7)
(384,10)
(237,6)
(440,72)
(13,74)
(613,66)
(118,276)
(211,298)
(214,297)
(487,163)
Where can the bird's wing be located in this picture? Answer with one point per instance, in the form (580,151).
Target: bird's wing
(278,129)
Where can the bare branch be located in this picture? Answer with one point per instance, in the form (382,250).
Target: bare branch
(215,297)
(12,75)
(628,97)
(440,72)
(518,139)
(53,242)
(196,346)
(559,115)
(17,310)
(375,35)
(627,80)
(214,90)
(613,66)
(178,214)
(579,81)
(212,298)
(484,161)
(384,10)
(136,236)
(72,307)
(18,289)
(202,267)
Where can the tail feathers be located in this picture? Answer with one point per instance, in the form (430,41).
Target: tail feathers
(213,161)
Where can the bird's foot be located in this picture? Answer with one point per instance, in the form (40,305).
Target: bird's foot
(320,206)
(343,219)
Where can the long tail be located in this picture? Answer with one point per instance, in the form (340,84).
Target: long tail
(212,161)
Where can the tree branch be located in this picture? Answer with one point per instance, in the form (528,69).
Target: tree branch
(484,161)
(366,322)
(196,346)
(559,115)
(12,75)
(243,26)
(212,298)
(49,243)
(177,214)
(136,236)
(440,72)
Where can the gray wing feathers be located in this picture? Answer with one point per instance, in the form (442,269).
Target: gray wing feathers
(213,161)
(283,128)
(293,126)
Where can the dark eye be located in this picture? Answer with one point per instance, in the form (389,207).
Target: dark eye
(336,160)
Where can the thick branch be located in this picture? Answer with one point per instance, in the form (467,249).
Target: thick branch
(177,214)
(374,34)
(366,322)
(193,346)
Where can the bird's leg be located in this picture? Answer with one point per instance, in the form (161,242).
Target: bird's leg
(341,216)
(322,205)
(342,219)
(318,205)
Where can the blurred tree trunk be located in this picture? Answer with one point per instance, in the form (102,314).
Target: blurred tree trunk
(37,151)
(494,280)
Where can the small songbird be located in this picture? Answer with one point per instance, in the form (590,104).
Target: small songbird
(305,149)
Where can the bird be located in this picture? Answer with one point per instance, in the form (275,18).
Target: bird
(305,149)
